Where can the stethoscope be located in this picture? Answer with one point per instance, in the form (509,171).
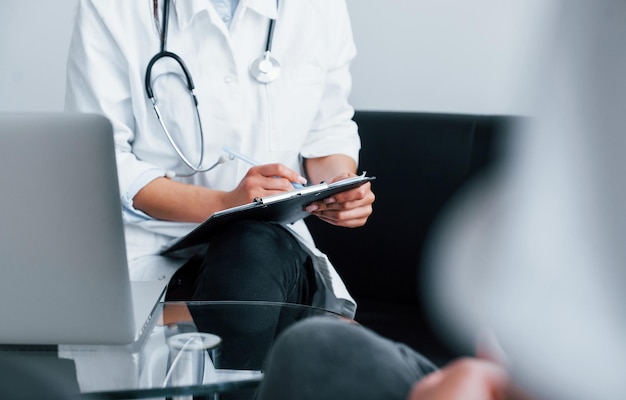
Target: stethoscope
(264,69)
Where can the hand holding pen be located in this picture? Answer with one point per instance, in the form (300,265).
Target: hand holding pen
(297,183)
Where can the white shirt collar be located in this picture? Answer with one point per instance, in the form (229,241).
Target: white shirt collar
(267,8)
(186,10)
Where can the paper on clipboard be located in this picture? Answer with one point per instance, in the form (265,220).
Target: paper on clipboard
(283,208)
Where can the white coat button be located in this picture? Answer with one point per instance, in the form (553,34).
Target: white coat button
(228,79)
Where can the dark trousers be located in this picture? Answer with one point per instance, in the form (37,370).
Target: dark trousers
(247,260)
(326,358)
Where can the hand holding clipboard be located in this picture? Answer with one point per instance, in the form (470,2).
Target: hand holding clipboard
(283,208)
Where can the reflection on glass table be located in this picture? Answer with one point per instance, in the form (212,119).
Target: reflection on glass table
(192,349)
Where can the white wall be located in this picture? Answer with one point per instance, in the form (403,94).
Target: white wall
(414,55)
(445,55)
(34,36)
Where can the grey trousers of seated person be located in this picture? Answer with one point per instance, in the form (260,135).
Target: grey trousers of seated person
(329,358)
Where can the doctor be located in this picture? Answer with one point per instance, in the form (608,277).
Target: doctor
(180,80)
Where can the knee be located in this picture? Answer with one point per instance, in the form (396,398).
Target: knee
(339,345)
(302,362)
(326,358)
(250,233)
(319,338)
(259,246)
(256,239)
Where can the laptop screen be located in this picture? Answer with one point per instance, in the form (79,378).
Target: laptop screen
(62,249)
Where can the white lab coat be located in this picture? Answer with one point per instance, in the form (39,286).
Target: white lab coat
(304,113)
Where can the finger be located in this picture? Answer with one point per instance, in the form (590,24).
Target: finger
(332,204)
(347,218)
(342,176)
(262,185)
(488,347)
(426,388)
(344,201)
(281,171)
(362,192)
(321,206)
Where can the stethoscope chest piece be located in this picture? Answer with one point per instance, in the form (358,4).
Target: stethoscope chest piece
(265,68)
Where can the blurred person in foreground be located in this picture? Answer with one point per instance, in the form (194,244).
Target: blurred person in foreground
(324,358)
(535,251)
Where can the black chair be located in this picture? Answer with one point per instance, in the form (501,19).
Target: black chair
(420,161)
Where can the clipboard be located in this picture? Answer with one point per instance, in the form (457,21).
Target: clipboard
(282,208)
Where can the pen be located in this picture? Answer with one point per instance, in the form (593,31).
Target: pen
(235,154)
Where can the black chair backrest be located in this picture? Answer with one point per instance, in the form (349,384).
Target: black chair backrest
(420,160)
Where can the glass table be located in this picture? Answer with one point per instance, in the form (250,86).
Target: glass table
(190,350)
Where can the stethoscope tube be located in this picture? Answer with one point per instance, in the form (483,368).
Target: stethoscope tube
(264,69)
(181,63)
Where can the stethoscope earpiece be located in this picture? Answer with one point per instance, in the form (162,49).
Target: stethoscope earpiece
(265,68)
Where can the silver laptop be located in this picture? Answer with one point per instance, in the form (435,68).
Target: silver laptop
(63,269)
